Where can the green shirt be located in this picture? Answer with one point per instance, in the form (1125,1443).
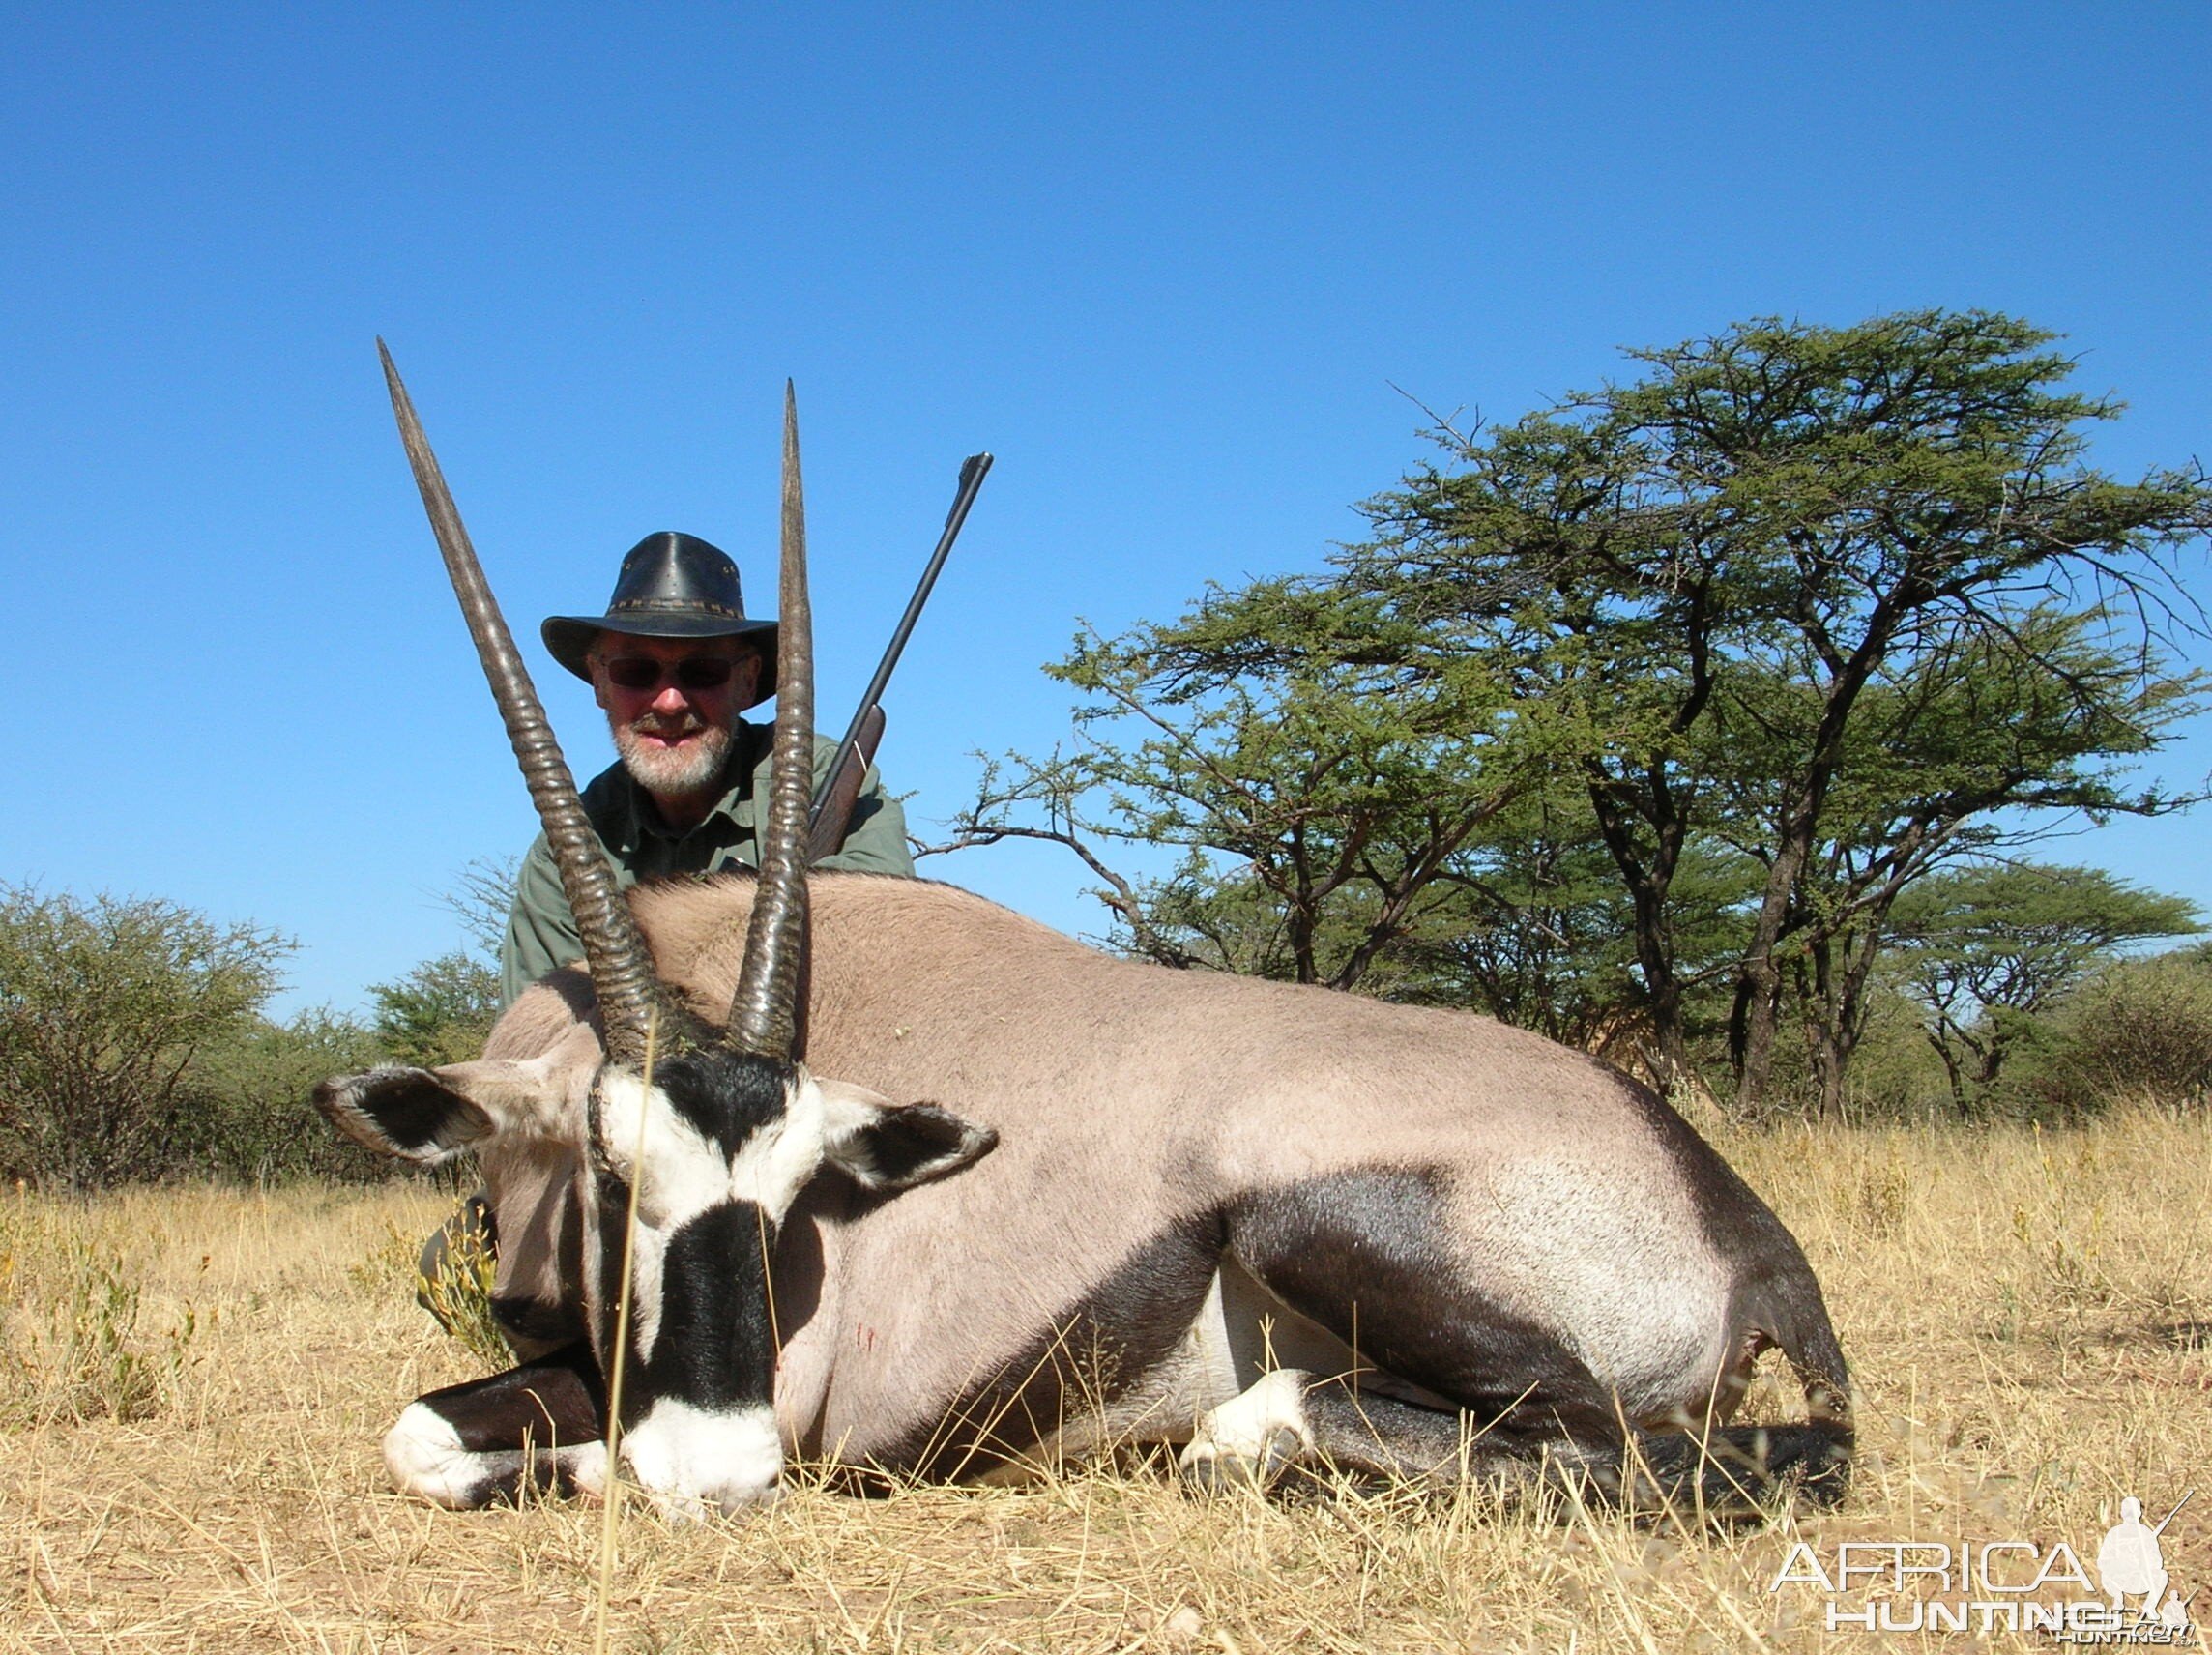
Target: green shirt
(540,932)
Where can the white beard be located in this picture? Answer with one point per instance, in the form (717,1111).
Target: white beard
(683,772)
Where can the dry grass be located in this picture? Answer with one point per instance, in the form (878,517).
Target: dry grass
(2028,1317)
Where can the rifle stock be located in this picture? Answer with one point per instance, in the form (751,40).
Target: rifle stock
(836,813)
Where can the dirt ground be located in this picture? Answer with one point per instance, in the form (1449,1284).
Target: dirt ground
(193,1383)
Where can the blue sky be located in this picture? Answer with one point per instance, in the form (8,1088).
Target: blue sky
(1180,268)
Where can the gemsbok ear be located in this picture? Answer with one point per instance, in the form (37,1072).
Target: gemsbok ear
(886,1146)
(428,1116)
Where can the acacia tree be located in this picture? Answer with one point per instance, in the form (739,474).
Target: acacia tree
(1833,512)
(1820,603)
(1942,739)
(1319,798)
(1981,951)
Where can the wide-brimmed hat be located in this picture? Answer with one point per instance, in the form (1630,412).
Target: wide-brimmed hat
(671,586)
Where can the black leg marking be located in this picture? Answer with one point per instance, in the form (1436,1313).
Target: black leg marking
(1379,1437)
(1745,1469)
(1093,1351)
(536,1428)
(1359,1253)
(1289,1420)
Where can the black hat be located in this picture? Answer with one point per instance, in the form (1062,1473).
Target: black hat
(671,586)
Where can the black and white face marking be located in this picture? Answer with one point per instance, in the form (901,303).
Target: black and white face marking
(727,1141)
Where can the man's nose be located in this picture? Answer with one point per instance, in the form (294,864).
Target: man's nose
(670,698)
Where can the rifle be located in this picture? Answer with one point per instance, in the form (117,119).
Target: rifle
(833,801)
(2175,1513)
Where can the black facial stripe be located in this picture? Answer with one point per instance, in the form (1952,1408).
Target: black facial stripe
(714,1346)
(717,1345)
(725,1096)
(611,1196)
(595,1140)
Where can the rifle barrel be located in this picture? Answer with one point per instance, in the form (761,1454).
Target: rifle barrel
(973,471)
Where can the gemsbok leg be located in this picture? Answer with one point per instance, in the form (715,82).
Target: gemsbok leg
(540,1428)
(1371,1258)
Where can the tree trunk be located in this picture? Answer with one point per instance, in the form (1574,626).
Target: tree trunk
(1954,1074)
(1669,1054)
(1830,1059)
(1844,1001)
(1648,886)
(1757,1013)
(1800,831)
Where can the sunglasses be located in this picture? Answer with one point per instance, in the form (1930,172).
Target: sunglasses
(694,672)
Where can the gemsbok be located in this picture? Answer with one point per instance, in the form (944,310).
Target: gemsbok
(1054,1201)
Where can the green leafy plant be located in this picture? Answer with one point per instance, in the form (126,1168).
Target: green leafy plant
(460,1294)
(91,1359)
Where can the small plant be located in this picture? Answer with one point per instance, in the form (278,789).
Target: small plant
(460,1294)
(393,1255)
(2074,1270)
(90,1361)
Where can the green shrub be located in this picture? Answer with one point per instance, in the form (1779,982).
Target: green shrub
(247,1116)
(440,1012)
(133,1046)
(2140,1031)
(103,1006)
